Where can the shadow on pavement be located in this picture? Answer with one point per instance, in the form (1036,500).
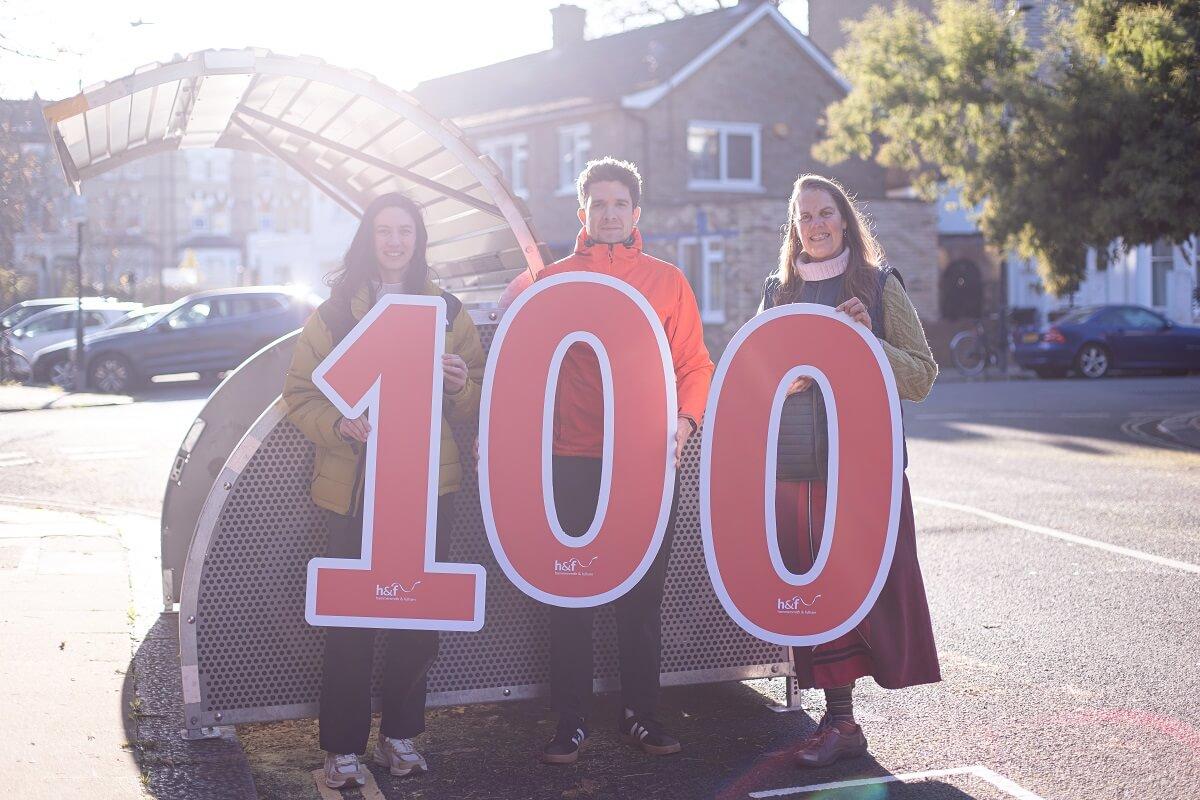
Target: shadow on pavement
(152,704)
(1121,409)
(733,745)
(175,390)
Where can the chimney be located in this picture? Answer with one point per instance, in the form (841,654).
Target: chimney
(568,25)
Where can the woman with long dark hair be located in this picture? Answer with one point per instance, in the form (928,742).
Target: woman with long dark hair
(829,256)
(386,256)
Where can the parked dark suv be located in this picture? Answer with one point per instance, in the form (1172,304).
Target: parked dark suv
(207,332)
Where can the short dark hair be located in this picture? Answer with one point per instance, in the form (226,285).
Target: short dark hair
(610,169)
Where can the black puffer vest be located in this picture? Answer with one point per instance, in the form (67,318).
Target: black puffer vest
(796,441)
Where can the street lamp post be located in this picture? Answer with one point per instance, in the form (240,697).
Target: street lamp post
(78,357)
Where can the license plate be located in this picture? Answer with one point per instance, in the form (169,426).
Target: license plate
(1029,338)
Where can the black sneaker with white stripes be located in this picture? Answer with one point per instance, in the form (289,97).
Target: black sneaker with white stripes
(564,747)
(648,734)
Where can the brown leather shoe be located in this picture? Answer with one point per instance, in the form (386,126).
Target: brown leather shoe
(832,742)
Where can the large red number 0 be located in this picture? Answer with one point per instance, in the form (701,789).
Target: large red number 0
(737,490)
(517,413)
(390,365)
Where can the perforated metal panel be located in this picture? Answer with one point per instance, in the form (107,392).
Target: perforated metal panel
(256,659)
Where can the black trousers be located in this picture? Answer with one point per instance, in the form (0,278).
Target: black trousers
(346,680)
(639,612)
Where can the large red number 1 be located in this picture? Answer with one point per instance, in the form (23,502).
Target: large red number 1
(390,365)
(517,414)
(737,489)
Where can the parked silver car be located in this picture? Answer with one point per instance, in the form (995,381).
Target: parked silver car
(58,325)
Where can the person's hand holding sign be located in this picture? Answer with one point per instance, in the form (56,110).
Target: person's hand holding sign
(354,430)
(801,384)
(454,373)
(855,309)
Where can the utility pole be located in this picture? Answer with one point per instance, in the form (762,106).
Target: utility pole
(78,359)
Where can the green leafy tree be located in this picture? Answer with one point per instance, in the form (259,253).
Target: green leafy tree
(1093,137)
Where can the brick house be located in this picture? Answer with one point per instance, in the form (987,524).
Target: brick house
(719,111)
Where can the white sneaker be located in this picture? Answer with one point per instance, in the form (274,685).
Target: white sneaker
(344,769)
(399,756)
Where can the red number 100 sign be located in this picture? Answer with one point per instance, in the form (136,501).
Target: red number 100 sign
(395,350)
(389,366)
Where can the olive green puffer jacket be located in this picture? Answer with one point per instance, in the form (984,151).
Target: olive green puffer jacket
(337,469)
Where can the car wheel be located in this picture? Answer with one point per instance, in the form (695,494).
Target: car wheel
(1093,361)
(111,372)
(61,373)
(1050,372)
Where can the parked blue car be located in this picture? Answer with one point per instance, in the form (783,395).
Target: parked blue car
(1095,340)
(208,332)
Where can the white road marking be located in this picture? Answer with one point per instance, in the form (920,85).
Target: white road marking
(116,454)
(983,773)
(986,415)
(1066,537)
(102,453)
(15,460)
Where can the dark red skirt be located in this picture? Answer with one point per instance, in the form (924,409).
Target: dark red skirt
(894,644)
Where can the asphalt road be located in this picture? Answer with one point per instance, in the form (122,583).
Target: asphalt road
(110,456)
(1060,543)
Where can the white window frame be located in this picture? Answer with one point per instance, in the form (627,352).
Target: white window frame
(1167,264)
(580,137)
(519,144)
(724,183)
(712,263)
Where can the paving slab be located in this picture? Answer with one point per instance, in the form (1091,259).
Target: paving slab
(93,705)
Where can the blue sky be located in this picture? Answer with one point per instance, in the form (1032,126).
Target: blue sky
(74,43)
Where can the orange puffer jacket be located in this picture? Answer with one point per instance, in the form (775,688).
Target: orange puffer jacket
(579,404)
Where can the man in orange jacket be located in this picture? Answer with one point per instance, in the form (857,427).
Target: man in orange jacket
(610,243)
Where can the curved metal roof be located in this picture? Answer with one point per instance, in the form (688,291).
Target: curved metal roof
(353,137)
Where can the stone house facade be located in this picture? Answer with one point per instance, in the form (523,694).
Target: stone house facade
(720,112)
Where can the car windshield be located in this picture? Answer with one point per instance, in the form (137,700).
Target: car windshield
(19,314)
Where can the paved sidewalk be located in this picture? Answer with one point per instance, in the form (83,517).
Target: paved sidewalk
(17,397)
(90,700)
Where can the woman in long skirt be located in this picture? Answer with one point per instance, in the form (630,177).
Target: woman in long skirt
(830,257)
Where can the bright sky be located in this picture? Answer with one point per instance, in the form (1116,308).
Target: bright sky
(83,42)
(69,43)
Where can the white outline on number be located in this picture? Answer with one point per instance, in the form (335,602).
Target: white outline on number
(370,400)
(712,418)
(485,406)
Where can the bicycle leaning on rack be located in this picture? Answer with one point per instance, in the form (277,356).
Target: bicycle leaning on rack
(976,350)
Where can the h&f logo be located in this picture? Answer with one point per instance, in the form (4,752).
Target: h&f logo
(396,591)
(574,566)
(795,605)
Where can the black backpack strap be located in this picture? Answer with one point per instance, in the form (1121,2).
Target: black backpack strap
(453,306)
(877,313)
(338,318)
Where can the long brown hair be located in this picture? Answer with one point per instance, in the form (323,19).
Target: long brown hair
(360,266)
(866,257)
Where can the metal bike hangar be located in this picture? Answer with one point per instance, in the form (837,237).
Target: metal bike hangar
(238,525)
(353,138)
